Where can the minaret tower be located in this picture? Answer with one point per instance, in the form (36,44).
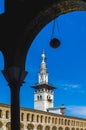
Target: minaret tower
(43,92)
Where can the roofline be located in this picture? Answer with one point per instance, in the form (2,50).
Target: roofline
(43,112)
(38,85)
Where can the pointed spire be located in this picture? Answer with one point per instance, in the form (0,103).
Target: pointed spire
(43,64)
(43,76)
(43,56)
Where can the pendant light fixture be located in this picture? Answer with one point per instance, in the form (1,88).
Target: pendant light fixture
(54,42)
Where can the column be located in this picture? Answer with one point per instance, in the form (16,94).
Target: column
(15,77)
(4,127)
(25,128)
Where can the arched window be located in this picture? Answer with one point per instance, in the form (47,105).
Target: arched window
(55,120)
(65,121)
(22,116)
(49,120)
(45,119)
(37,118)
(7,114)
(28,117)
(41,119)
(37,97)
(52,120)
(68,122)
(0,113)
(61,121)
(40,97)
(32,117)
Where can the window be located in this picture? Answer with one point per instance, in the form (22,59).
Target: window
(32,118)
(0,113)
(28,117)
(49,120)
(56,121)
(45,119)
(22,116)
(37,118)
(41,119)
(7,114)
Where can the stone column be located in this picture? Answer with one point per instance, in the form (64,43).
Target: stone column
(25,127)
(15,77)
(4,127)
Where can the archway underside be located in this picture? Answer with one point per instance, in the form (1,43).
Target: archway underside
(15,51)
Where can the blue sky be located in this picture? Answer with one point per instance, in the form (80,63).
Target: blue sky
(2,6)
(66,65)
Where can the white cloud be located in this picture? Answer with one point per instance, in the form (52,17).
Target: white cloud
(77,110)
(72,86)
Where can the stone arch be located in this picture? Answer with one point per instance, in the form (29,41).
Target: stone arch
(54,128)
(60,128)
(21,126)
(30,126)
(47,15)
(8,126)
(1,124)
(72,128)
(67,128)
(39,127)
(47,128)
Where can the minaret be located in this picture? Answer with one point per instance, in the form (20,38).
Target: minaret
(43,91)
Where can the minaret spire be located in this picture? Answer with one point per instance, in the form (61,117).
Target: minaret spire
(43,75)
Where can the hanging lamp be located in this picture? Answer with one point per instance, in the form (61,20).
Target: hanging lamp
(54,42)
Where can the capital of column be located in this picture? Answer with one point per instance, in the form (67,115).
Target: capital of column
(15,76)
